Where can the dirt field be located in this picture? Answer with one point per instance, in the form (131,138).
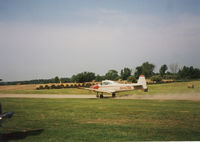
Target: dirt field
(193,97)
(165,91)
(18,87)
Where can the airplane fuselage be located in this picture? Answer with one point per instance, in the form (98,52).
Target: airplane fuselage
(108,86)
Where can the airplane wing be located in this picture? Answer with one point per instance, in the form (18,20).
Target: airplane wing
(115,90)
(135,87)
(97,90)
(128,88)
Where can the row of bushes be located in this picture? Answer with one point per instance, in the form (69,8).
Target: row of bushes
(155,79)
(164,79)
(66,85)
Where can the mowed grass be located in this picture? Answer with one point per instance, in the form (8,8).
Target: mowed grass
(100,120)
(67,91)
(167,88)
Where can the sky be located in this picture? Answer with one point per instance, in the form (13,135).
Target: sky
(41,39)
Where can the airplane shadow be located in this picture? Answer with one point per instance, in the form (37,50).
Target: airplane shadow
(19,135)
(106,97)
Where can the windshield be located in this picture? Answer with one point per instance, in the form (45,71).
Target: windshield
(106,83)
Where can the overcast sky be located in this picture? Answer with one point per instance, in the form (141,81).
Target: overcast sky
(48,38)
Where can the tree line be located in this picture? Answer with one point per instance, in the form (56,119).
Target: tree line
(171,71)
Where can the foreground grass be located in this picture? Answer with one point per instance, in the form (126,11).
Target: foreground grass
(100,120)
(168,88)
(48,91)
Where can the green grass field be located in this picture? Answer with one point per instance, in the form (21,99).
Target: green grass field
(100,120)
(167,88)
(47,91)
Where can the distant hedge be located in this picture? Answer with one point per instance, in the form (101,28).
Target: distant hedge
(156,78)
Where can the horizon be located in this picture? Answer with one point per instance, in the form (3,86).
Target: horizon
(132,73)
(48,38)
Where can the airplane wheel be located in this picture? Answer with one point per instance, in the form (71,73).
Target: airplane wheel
(113,95)
(101,96)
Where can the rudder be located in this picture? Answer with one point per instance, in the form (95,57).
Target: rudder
(142,81)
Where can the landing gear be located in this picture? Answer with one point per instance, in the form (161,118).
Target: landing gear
(146,90)
(97,95)
(113,95)
(101,95)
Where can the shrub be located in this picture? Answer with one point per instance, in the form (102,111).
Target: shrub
(71,86)
(87,84)
(53,86)
(66,86)
(62,86)
(39,87)
(46,87)
(57,86)
(42,87)
(81,85)
(75,85)
(156,78)
(174,77)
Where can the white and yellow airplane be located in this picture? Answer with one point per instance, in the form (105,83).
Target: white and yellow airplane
(108,86)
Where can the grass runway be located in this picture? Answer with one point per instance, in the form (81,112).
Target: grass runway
(100,120)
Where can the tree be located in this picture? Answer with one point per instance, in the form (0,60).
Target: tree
(0,79)
(146,69)
(189,73)
(74,78)
(83,77)
(65,80)
(57,80)
(99,78)
(132,79)
(138,71)
(173,68)
(163,69)
(125,73)
(112,75)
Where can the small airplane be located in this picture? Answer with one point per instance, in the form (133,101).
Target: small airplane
(108,86)
(5,115)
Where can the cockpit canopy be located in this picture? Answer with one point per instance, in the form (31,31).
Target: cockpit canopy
(107,82)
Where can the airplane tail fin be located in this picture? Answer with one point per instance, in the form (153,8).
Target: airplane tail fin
(142,81)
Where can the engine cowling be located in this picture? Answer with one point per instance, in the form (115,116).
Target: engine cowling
(94,86)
